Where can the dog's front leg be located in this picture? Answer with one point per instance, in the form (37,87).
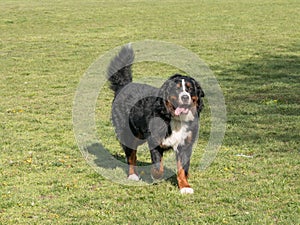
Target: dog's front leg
(157,170)
(131,161)
(183,163)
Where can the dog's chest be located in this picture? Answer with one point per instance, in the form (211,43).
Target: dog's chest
(179,134)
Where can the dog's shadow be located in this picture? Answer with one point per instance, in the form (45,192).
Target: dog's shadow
(115,167)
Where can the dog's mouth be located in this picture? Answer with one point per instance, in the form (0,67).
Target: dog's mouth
(178,109)
(183,109)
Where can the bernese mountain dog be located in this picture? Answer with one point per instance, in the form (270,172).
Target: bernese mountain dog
(165,117)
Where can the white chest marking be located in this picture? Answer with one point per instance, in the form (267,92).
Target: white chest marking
(179,134)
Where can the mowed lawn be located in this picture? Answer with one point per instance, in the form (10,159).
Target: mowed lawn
(253,49)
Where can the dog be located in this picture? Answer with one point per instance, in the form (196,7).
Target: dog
(165,117)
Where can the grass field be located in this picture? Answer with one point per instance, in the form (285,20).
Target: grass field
(253,48)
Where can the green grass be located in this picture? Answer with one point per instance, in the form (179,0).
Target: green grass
(253,48)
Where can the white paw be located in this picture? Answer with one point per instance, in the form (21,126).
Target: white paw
(186,191)
(133,177)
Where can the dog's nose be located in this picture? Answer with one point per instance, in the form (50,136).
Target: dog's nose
(185,98)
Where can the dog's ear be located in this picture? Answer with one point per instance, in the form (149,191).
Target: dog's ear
(164,95)
(166,88)
(200,95)
(199,91)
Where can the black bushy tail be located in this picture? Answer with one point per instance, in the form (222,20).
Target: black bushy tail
(119,70)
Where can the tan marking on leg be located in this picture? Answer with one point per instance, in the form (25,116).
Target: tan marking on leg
(181,177)
(132,162)
(158,174)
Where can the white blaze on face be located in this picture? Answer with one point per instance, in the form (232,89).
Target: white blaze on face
(184,93)
(180,110)
(183,85)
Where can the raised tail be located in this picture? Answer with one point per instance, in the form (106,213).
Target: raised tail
(119,70)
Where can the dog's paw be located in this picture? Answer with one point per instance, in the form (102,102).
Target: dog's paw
(133,177)
(187,190)
(156,174)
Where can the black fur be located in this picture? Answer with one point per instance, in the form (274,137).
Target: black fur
(119,70)
(142,113)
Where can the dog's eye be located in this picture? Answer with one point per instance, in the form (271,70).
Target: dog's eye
(179,88)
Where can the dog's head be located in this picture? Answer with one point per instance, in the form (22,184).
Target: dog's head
(182,96)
